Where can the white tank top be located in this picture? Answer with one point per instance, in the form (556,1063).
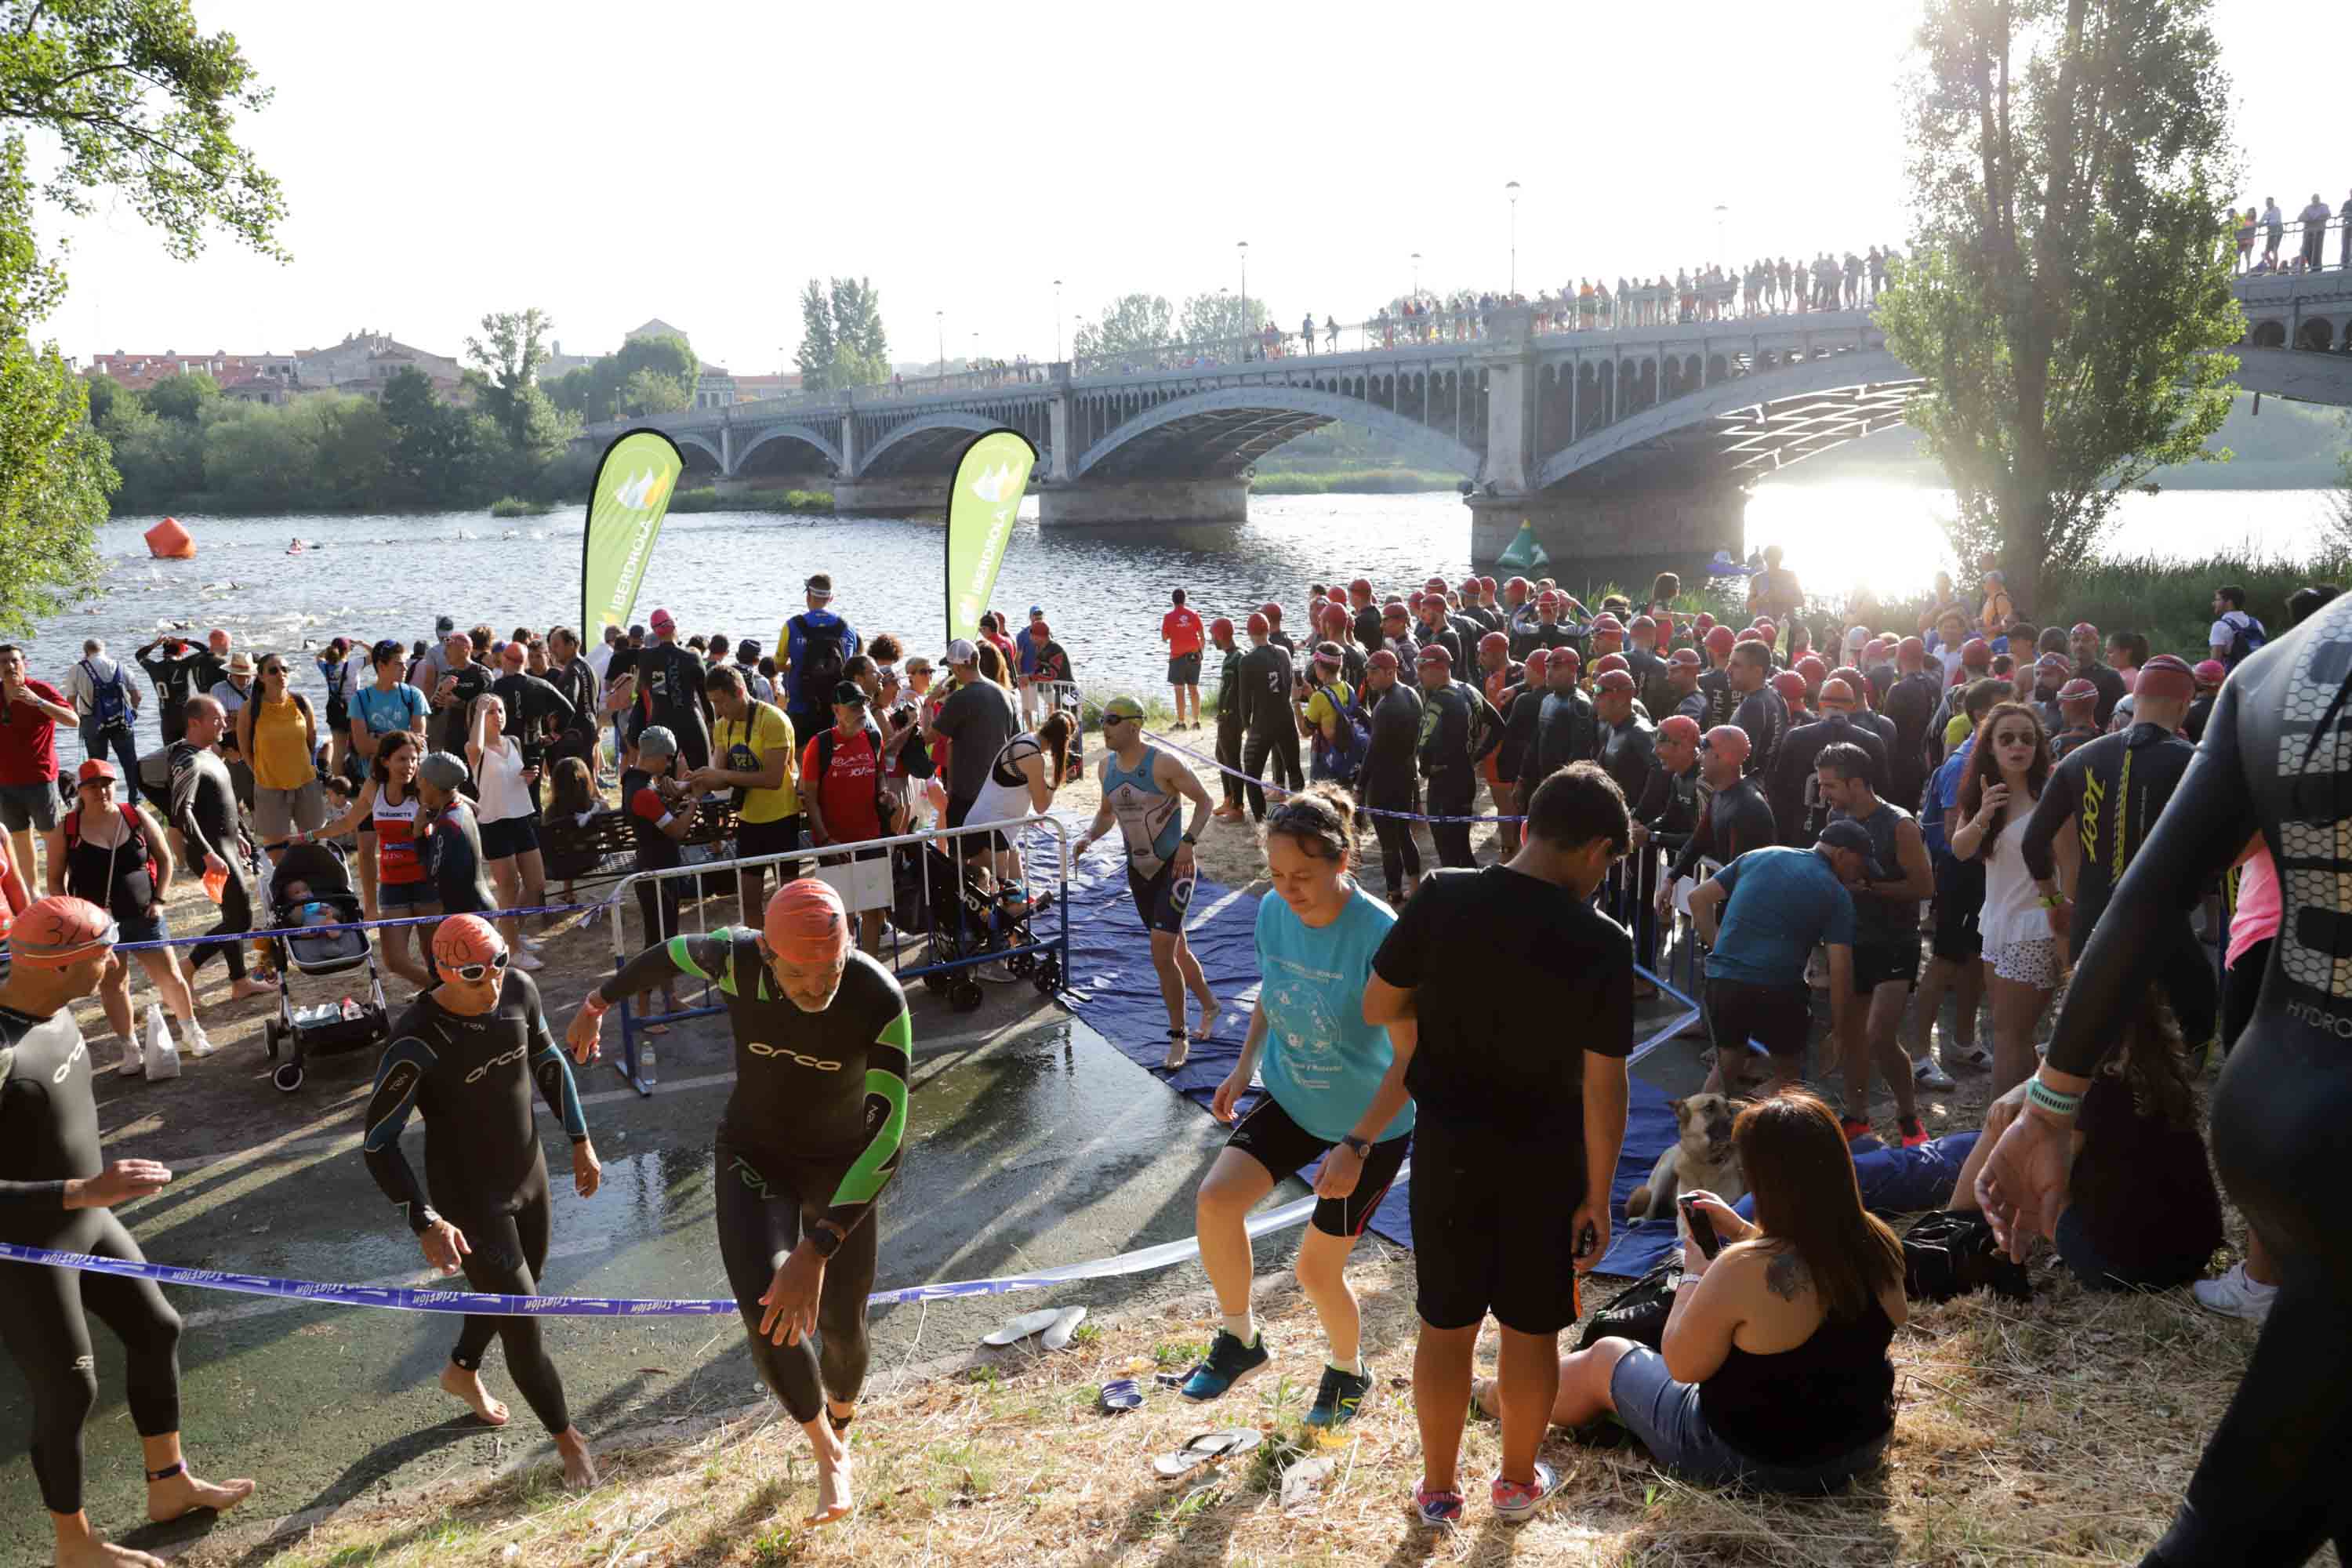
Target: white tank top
(998,801)
(504,794)
(2012,904)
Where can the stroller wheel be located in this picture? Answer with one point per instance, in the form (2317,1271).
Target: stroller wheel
(1021,964)
(1049,977)
(288,1077)
(965,996)
(270,1037)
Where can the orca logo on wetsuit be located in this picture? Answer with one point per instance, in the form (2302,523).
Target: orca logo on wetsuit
(751,1178)
(759,1049)
(515,1054)
(81,1049)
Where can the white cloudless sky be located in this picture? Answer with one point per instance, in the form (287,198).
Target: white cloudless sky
(698,161)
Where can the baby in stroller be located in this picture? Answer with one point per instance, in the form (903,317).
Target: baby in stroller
(311,906)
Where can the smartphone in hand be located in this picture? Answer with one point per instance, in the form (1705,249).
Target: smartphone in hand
(1702,1230)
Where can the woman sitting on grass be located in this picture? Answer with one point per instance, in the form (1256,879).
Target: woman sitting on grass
(2141,1210)
(1774,1373)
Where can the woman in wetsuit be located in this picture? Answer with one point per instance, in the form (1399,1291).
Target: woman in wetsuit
(2277,759)
(465,1055)
(56,1192)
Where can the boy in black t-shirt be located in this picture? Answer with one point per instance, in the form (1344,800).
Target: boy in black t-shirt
(1519,1125)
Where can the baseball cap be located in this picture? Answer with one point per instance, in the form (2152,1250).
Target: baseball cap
(2078,691)
(660,618)
(1845,833)
(2210,671)
(446,770)
(1721,640)
(1435,653)
(1383,659)
(1789,685)
(1121,708)
(1036,610)
(653,741)
(95,768)
(2173,678)
(806,922)
(1730,741)
(961,651)
(1613,680)
(444,626)
(1258,624)
(849,694)
(1680,727)
(1975,653)
(59,931)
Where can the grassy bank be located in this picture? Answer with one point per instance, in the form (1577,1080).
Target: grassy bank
(515,506)
(1352,481)
(707,499)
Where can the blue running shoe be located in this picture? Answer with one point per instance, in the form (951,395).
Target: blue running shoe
(1339,1397)
(1229,1361)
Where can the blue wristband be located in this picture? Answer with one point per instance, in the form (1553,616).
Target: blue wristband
(2051,1100)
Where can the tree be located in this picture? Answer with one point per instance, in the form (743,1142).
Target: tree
(1130,324)
(650,391)
(842,343)
(2340,499)
(506,387)
(108,402)
(2067,297)
(183,397)
(1213,318)
(128,97)
(817,348)
(433,455)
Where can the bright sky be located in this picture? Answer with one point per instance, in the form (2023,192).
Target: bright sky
(698,161)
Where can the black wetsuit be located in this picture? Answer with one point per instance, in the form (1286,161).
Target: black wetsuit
(1669,807)
(2115,789)
(175,678)
(204,809)
(1733,822)
(670,693)
(49,1135)
(1522,719)
(471,1079)
(1230,724)
(1390,782)
(2277,759)
(1764,715)
(1568,730)
(1910,703)
(1458,727)
(1793,786)
(536,711)
(450,843)
(810,1137)
(1715,685)
(1271,723)
(1629,752)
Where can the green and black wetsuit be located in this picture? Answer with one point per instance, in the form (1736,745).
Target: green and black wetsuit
(810,1137)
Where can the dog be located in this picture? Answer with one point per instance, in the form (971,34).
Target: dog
(1701,1160)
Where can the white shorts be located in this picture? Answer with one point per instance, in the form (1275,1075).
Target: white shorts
(2039,963)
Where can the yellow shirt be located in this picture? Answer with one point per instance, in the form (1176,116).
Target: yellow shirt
(281,751)
(748,752)
(1323,709)
(1956,731)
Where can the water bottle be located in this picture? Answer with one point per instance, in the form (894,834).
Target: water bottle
(648,1064)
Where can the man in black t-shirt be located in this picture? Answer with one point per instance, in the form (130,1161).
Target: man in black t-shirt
(451,693)
(670,691)
(1518,1122)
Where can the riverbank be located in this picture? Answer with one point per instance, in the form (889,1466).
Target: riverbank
(1353,481)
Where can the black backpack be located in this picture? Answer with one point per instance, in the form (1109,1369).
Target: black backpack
(1950,1254)
(823,655)
(1639,1314)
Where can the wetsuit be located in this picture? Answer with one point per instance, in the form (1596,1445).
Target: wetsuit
(2277,759)
(1733,822)
(2115,788)
(471,1078)
(204,809)
(1230,725)
(536,709)
(810,1137)
(176,678)
(1568,730)
(1522,716)
(1392,783)
(452,850)
(670,693)
(1458,729)
(1669,807)
(49,1135)
(1366,624)
(1715,685)
(1764,715)
(1272,725)
(1793,786)
(1629,753)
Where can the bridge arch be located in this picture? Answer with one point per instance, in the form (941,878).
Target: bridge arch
(807,435)
(921,444)
(1240,424)
(703,463)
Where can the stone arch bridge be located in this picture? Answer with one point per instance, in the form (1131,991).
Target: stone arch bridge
(1636,442)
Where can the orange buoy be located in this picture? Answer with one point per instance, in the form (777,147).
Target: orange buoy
(167,541)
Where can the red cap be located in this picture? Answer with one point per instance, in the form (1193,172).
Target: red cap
(95,768)
(1751,635)
(1383,659)
(1361,585)
(1836,689)
(59,931)
(1435,653)
(1789,685)
(1613,680)
(806,922)
(2173,678)
(1538,660)
(2054,661)
(1394,610)
(462,940)
(1223,626)
(1549,597)
(1721,640)
(1911,648)
(1811,668)
(1335,613)
(2208,671)
(1519,583)
(1975,653)
(1258,624)
(1608,623)
(1494,642)
(1643,626)
(1764,625)
(2080,691)
(1730,741)
(2083,630)
(1609,661)
(1434,585)
(1271,611)
(1685,658)
(1855,681)
(1486,585)
(1679,727)
(657,619)
(1704,623)
(1040,629)
(1566,656)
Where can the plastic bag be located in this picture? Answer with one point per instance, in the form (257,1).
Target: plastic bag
(160,1056)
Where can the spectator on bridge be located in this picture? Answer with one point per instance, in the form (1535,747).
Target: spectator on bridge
(2246,226)
(1331,334)
(2273,232)
(2314,232)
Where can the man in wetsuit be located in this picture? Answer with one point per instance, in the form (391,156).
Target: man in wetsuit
(176,669)
(2078,702)
(465,1055)
(203,811)
(1715,681)
(1667,812)
(1229,720)
(1628,741)
(2085,644)
(670,693)
(56,1192)
(1458,729)
(1569,730)
(1761,712)
(1910,705)
(1792,786)
(2110,792)
(1266,715)
(537,709)
(811,1135)
(1364,617)
(1143,789)
(1684,694)
(1734,817)
(1396,637)
(1887,896)
(1390,788)
(450,838)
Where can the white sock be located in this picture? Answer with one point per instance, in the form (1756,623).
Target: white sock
(1242,1328)
(1353,1366)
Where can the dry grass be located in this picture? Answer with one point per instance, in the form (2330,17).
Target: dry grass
(2060,1430)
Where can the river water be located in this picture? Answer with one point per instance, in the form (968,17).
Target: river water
(1103,590)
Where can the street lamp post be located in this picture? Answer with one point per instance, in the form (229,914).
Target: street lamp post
(1512,190)
(1416,275)
(1057,319)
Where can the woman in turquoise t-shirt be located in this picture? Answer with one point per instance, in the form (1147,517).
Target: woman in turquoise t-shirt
(1334,1091)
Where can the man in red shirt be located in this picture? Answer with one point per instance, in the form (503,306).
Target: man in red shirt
(1181,629)
(30,712)
(841,790)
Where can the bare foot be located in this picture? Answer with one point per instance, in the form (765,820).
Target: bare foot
(103,1554)
(1179,1048)
(834,1501)
(461,1384)
(1209,1010)
(183,1494)
(579,1467)
(247,989)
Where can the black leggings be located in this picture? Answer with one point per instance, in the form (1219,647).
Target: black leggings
(510,1249)
(1284,750)
(762,1209)
(1453,793)
(237,918)
(1399,856)
(41,1323)
(2268,1489)
(1229,756)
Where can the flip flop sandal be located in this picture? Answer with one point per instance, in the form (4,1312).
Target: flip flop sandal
(1168,1379)
(1022,1327)
(1121,1394)
(1066,1323)
(1207,1447)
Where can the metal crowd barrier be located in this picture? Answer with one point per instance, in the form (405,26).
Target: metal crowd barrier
(1043,961)
(1666,954)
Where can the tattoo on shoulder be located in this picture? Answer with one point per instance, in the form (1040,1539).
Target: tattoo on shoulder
(1786,1275)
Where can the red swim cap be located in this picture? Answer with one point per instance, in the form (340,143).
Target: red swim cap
(462,940)
(1494,642)
(1720,639)
(59,931)
(806,923)
(1679,727)
(1222,628)
(1609,661)
(1537,659)
(1811,668)
(1789,685)
(1258,624)
(1361,585)
(1614,680)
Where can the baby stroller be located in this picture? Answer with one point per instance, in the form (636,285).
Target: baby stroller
(970,918)
(345,1026)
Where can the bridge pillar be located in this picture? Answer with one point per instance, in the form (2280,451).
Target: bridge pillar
(1509,361)
(726,452)
(1088,503)
(1675,524)
(1062,455)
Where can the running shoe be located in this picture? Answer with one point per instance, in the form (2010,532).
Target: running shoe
(1229,1361)
(1968,1058)
(1515,1501)
(1928,1075)
(2236,1294)
(199,1043)
(134,1061)
(1914,1135)
(1854,1127)
(525,959)
(1436,1509)
(1340,1397)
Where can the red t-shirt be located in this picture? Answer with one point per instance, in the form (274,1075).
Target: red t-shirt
(29,741)
(845,786)
(1181,629)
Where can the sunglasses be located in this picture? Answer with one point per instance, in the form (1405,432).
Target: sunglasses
(477,972)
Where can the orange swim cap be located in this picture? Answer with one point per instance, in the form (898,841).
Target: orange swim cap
(463,940)
(59,930)
(806,922)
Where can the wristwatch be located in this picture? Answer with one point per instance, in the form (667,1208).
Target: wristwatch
(1190,839)
(1360,1147)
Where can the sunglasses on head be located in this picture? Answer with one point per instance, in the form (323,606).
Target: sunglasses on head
(474,971)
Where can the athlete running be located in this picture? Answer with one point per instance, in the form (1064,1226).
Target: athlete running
(56,1192)
(465,1056)
(810,1137)
(1140,784)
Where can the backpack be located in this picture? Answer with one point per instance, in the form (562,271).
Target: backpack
(1950,1254)
(884,812)
(821,660)
(2246,635)
(137,837)
(1341,757)
(1640,1313)
(109,701)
